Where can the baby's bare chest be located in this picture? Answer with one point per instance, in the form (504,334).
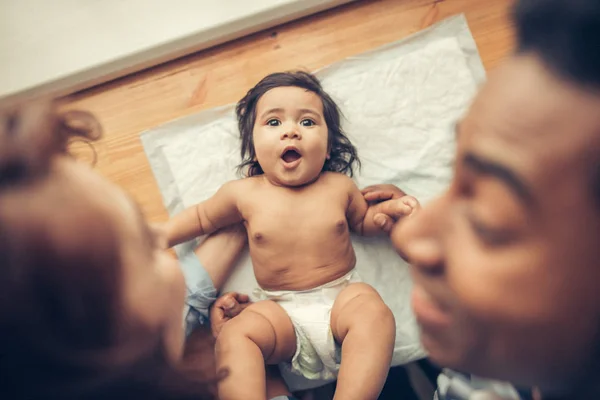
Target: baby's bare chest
(288,216)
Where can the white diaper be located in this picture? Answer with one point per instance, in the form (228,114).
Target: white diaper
(317,354)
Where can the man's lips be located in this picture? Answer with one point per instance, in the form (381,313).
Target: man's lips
(428,312)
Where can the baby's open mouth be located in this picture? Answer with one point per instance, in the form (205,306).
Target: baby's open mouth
(290,156)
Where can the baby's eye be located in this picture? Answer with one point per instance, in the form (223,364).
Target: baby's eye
(273,122)
(307,122)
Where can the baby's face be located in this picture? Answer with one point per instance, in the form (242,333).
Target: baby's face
(290,136)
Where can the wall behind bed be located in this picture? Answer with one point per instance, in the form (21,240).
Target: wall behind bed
(61,46)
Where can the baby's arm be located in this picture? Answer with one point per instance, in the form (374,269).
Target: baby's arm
(359,217)
(218,211)
(361,214)
(357,211)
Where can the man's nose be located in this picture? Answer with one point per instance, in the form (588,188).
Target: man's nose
(418,238)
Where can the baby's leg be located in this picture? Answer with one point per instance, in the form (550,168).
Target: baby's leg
(365,327)
(219,252)
(262,332)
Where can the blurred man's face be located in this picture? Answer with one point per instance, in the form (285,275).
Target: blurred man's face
(506,261)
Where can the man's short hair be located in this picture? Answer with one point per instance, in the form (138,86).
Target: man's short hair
(565,34)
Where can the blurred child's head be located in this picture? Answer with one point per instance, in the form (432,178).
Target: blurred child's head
(291,128)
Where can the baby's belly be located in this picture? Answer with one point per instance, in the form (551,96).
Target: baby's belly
(303,267)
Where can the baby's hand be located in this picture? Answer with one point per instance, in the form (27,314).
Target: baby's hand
(159,229)
(387,213)
(226,307)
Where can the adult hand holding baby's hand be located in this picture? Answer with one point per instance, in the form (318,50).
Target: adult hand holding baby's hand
(391,211)
(389,204)
(226,307)
(382,192)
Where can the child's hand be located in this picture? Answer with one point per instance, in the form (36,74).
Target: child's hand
(226,307)
(387,213)
(160,231)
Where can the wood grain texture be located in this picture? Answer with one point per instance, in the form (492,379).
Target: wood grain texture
(221,75)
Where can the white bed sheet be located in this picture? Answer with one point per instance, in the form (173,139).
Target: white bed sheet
(400,104)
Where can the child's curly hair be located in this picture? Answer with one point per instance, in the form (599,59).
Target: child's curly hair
(342,152)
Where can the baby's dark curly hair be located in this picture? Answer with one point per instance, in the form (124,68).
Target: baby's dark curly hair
(342,152)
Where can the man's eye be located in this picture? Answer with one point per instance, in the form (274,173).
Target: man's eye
(490,236)
(273,122)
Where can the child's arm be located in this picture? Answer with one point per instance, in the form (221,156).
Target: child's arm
(218,211)
(361,215)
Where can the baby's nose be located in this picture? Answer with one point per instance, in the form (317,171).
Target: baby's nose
(291,133)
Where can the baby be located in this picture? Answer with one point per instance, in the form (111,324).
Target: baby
(298,206)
